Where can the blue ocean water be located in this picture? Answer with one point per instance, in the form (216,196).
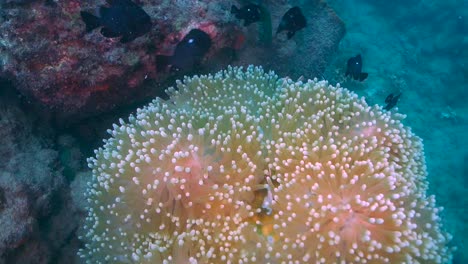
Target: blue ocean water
(420,48)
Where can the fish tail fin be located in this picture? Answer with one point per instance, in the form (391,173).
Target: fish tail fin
(90,20)
(363,76)
(281,27)
(162,62)
(278,30)
(234,10)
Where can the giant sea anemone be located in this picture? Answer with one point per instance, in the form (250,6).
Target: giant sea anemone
(244,167)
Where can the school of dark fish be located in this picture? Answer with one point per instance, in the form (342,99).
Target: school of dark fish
(127,20)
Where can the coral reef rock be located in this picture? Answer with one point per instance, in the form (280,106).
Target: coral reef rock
(37,217)
(73,74)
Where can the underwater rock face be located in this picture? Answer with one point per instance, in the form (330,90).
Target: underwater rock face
(45,50)
(37,217)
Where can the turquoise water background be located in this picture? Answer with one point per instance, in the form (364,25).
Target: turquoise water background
(421,49)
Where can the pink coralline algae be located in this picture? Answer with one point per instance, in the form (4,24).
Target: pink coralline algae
(55,64)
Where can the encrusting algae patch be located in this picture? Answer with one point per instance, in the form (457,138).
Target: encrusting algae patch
(244,167)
